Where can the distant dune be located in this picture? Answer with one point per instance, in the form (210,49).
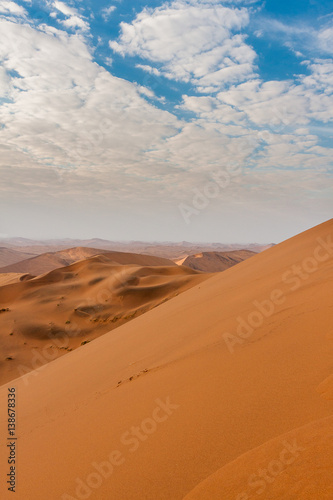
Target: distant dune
(47,262)
(168,250)
(10,256)
(214,262)
(194,399)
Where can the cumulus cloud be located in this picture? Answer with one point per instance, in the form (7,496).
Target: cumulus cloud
(8,7)
(192,42)
(74,20)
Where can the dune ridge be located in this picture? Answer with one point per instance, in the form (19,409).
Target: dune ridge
(49,261)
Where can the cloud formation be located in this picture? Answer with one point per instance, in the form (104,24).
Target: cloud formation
(73,19)
(197,42)
(72,129)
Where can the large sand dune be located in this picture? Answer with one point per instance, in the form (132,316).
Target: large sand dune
(157,406)
(49,261)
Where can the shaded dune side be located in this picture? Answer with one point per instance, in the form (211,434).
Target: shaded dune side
(213,262)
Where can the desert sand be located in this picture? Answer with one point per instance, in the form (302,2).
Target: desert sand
(10,278)
(192,398)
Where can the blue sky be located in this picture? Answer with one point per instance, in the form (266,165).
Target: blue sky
(190,119)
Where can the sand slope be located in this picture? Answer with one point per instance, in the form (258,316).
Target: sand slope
(9,256)
(10,278)
(47,262)
(174,396)
(55,313)
(292,466)
(214,262)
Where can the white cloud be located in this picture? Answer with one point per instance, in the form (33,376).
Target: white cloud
(109,61)
(106,13)
(148,69)
(4,82)
(325,39)
(7,7)
(74,19)
(191,42)
(76,22)
(299,37)
(65,9)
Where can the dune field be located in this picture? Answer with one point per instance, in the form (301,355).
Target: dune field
(224,392)
(42,318)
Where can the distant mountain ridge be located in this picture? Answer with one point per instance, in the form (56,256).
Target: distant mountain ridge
(168,250)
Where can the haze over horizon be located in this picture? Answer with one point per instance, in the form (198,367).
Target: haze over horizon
(197,120)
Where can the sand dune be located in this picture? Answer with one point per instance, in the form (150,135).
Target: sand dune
(214,262)
(61,309)
(47,262)
(155,407)
(9,256)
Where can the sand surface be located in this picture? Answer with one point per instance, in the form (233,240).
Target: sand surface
(10,278)
(173,398)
